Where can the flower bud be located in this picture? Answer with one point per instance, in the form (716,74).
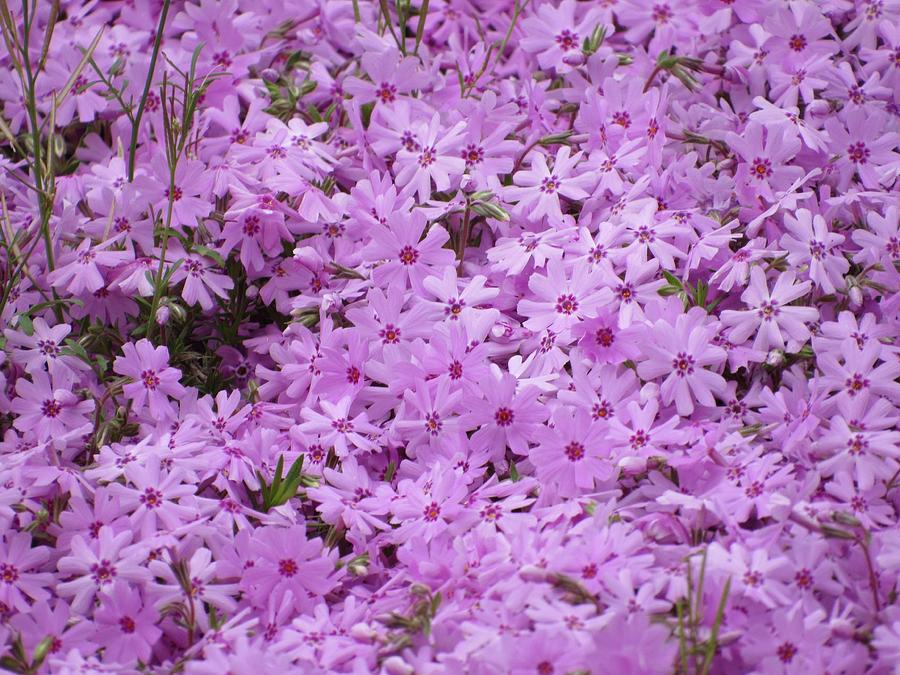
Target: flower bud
(856,296)
(270,75)
(308,256)
(775,358)
(632,466)
(532,573)
(397,666)
(162,315)
(574,59)
(363,632)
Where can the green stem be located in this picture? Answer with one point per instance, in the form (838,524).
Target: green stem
(157,285)
(136,126)
(464,235)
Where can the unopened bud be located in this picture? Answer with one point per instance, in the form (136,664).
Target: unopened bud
(270,75)
(633,466)
(856,296)
(775,358)
(162,315)
(533,573)
(467,183)
(397,666)
(252,291)
(308,256)
(363,631)
(574,59)
(358,570)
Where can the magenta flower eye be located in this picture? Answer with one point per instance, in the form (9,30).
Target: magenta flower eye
(504,416)
(287,568)
(432,512)
(567,40)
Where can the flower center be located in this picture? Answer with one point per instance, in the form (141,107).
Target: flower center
(432,512)
(150,379)
(786,652)
(856,383)
(683,363)
(427,156)
(566,304)
(103,572)
(51,408)
(574,451)
(287,567)
(504,417)
(761,168)
(567,40)
(433,424)
(386,93)
(605,337)
(768,310)
(151,498)
(408,255)
(858,153)
(798,42)
(8,573)
(549,185)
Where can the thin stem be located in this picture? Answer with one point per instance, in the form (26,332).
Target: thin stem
(136,125)
(464,235)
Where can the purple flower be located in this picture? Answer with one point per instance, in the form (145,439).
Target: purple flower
(770,316)
(153,380)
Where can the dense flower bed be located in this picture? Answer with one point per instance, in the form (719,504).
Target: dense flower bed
(452,336)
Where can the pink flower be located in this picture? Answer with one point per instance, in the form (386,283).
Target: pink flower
(681,352)
(151,499)
(95,567)
(537,189)
(858,375)
(43,348)
(436,159)
(285,562)
(506,418)
(603,341)
(153,380)
(554,33)
(813,245)
(126,625)
(770,316)
(408,258)
(563,298)
(47,407)
(573,454)
(765,167)
(430,506)
(637,436)
(81,269)
(338,428)
(201,282)
(18,580)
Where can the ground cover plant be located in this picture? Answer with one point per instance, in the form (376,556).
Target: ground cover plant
(449,336)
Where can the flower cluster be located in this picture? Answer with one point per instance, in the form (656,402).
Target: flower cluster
(450,336)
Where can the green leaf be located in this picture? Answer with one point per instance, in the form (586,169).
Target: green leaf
(26,325)
(672,279)
(78,350)
(713,642)
(208,252)
(556,139)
